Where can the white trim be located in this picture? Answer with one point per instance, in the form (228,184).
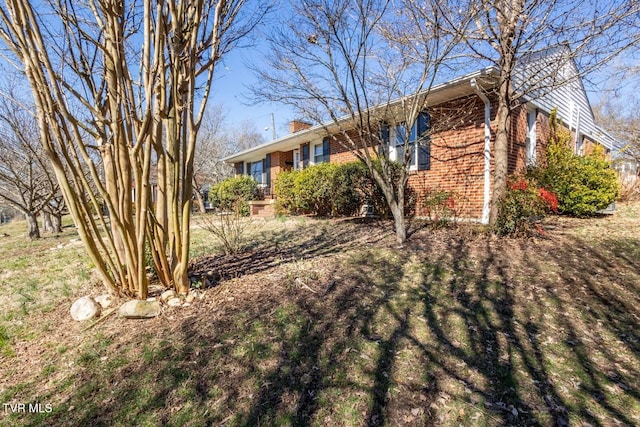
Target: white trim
(296,162)
(531,140)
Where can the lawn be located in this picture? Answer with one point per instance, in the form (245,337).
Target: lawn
(327,322)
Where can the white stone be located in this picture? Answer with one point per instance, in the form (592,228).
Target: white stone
(174,302)
(85,308)
(167,295)
(105,300)
(139,309)
(190,298)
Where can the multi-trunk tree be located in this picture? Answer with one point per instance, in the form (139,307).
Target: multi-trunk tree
(120,90)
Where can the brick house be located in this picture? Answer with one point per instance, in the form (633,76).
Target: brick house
(459,155)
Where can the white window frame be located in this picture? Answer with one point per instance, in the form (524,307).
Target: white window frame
(312,153)
(531,138)
(393,148)
(296,159)
(263,175)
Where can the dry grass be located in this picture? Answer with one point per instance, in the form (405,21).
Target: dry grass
(327,323)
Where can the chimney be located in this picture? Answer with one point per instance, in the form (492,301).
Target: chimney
(298,125)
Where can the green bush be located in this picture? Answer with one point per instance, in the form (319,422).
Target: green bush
(333,189)
(583,184)
(237,190)
(351,183)
(285,191)
(314,189)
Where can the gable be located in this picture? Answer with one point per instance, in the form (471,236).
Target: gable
(561,88)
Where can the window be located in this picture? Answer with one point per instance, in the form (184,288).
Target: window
(383,140)
(321,152)
(531,138)
(305,155)
(296,159)
(256,171)
(419,142)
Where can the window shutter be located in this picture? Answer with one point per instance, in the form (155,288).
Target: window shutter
(424,141)
(266,169)
(326,148)
(247,168)
(305,155)
(383,143)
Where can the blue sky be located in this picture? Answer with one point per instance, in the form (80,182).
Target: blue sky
(231,91)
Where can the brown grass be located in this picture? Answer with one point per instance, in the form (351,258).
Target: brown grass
(328,323)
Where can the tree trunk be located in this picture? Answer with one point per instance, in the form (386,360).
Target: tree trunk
(395,201)
(32,226)
(200,199)
(400,225)
(501,150)
(47,225)
(57,223)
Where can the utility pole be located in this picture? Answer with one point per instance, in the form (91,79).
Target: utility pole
(273,126)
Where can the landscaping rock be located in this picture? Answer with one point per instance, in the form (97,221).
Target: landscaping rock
(190,297)
(139,309)
(105,300)
(85,308)
(167,295)
(174,302)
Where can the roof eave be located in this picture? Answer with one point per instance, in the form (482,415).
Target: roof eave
(289,142)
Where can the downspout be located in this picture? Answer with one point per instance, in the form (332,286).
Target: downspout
(487,151)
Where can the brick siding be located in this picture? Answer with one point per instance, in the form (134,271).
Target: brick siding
(457,160)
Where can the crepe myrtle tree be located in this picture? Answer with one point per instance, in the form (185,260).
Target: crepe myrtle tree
(533,43)
(362,69)
(120,90)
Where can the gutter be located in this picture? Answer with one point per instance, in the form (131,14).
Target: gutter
(320,129)
(487,151)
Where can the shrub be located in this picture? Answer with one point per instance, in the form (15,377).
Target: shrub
(285,192)
(234,193)
(375,196)
(313,187)
(229,227)
(439,204)
(523,206)
(583,184)
(350,184)
(333,189)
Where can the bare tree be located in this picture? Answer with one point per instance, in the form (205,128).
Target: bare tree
(360,68)
(120,90)
(208,167)
(618,111)
(509,34)
(27,181)
(216,141)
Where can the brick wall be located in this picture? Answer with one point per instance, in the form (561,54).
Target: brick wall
(457,161)
(518,138)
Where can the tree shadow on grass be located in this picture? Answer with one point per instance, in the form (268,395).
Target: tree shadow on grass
(449,331)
